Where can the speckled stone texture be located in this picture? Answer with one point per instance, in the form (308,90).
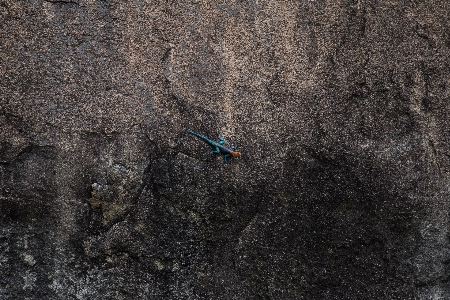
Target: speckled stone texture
(340,108)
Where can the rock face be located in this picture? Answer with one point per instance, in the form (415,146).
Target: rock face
(340,108)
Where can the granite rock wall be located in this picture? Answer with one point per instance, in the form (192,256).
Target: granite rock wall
(340,109)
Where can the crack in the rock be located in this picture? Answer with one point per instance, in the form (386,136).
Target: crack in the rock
(63,2)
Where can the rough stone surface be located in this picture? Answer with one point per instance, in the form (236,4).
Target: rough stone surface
(340,108)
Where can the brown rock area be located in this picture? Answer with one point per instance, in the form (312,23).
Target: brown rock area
(340,109)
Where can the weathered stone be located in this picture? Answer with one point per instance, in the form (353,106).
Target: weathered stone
(340,108)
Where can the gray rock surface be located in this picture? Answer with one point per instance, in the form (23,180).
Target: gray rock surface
(340,108)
